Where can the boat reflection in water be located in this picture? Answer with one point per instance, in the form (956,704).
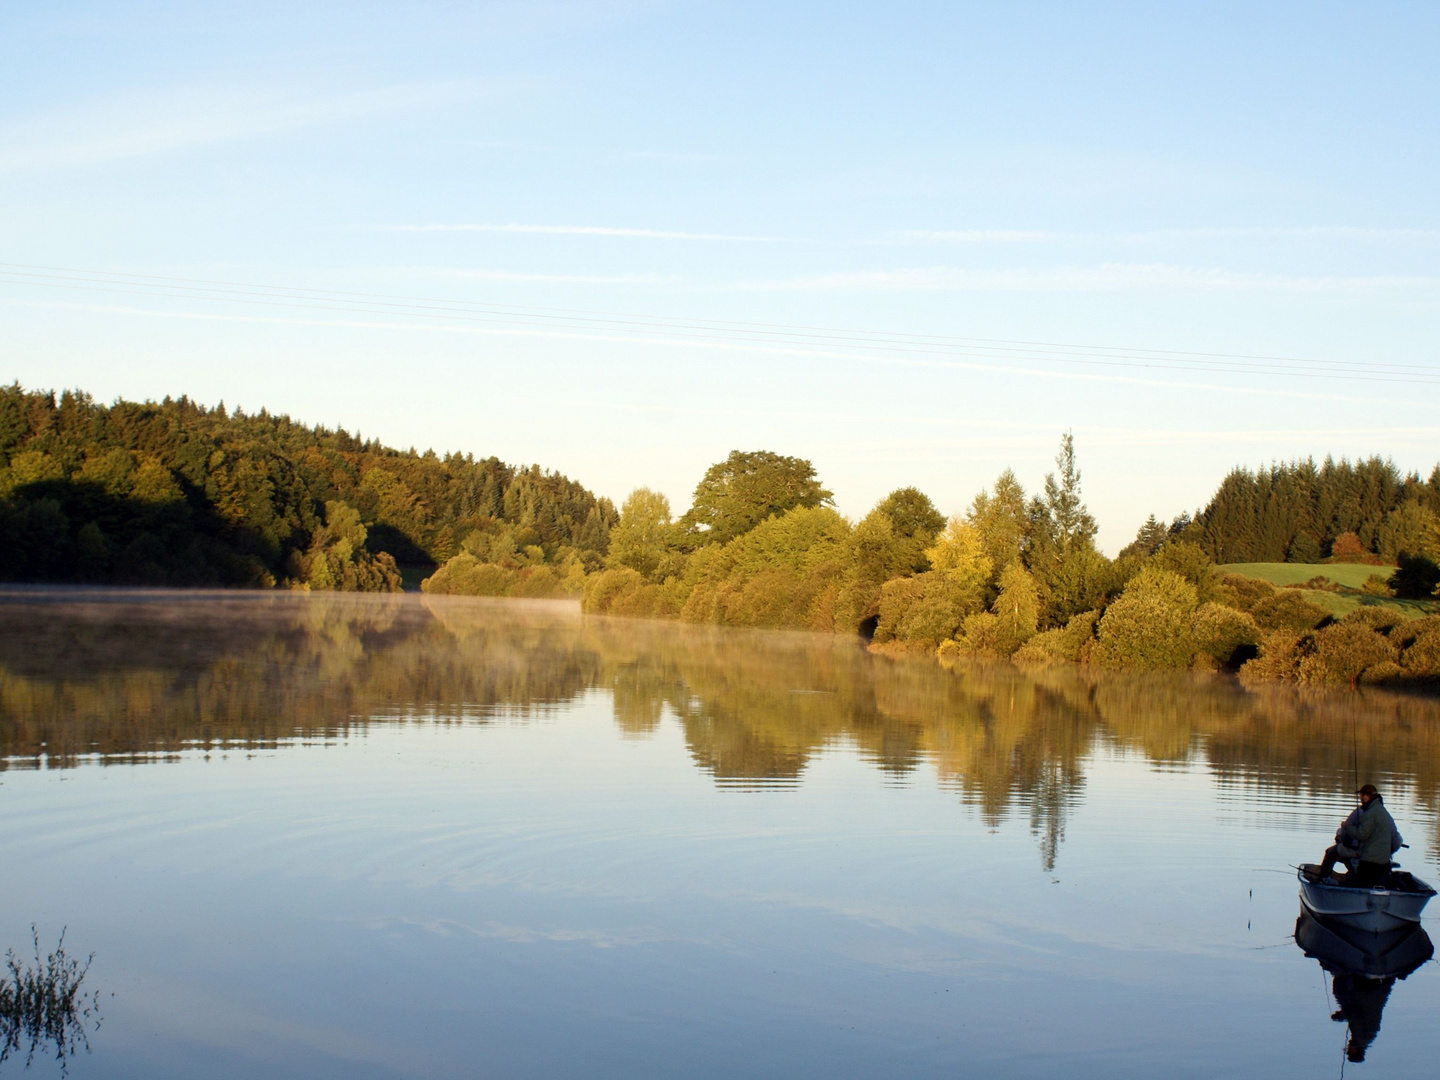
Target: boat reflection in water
(1363,965)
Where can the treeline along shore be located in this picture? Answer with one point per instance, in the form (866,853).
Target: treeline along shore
(176,493)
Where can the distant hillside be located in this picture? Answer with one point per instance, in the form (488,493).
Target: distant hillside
(179,494)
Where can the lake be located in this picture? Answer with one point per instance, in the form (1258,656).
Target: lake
(400,836)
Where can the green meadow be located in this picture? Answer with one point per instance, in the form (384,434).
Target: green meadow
(1346,575)
(1349,576)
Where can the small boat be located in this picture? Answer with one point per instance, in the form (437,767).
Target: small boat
(1393,905)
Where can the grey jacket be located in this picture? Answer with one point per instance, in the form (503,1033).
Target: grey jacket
(1376,837)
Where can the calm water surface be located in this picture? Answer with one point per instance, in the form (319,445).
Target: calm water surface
(319,836)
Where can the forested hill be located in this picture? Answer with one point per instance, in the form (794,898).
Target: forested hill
(179,494)
(1299,511)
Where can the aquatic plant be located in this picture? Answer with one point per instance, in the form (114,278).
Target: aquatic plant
(43,1005)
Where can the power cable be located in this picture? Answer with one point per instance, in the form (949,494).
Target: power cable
(781,337)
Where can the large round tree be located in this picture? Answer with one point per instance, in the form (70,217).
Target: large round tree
(747,487)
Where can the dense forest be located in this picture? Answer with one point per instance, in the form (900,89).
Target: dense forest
(1297,512)
(176,493)
(179,494)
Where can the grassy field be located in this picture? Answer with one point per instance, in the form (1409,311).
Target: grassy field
(1349,576)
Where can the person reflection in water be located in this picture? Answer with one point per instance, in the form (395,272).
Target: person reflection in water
(1361,1000)
(1365,841)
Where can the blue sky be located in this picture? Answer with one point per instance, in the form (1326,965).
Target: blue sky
(911,242)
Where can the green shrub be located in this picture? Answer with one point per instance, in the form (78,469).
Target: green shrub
(1380,618)
(465,575)
(1384,673)
(1190,561)
(926,608)
(1061,645)
(1289,611)
(1239,591)
(1280,656)
(777,598)
(1220,633)
(1375,585)
(1421,658)
(1405,633)
(1150,625)
(606,592)
(978,635)
(1343,652)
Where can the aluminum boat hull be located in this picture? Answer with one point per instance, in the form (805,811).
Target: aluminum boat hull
(1375,910)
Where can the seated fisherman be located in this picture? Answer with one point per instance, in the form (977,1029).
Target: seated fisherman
(1368,836)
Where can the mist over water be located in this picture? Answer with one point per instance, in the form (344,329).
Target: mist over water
(328,835)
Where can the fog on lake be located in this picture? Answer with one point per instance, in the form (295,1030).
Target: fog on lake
(331,835)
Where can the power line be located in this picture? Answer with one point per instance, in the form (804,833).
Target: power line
(861,344)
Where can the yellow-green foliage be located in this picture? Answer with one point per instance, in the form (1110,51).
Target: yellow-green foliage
(1408,633)
(622,591)
(978,636)
(1190,562)
(1288,611)
(644,537)
(1376,585)
(1421,656)
(1010,622)
(959,554)
(1082,580)
(1000,520)
(466,575)
(927,608)
(1219,632)
(1381,619)
(1368,646)
(1280,655)
(1150,625)
(1062,645)
(785,572)
(1343,652)
(1243,592)
(798,542)
(337,559)
(931,607)
(1412,527)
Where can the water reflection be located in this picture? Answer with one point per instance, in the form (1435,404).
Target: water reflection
(43,1008)
(131,676)
(1364,967)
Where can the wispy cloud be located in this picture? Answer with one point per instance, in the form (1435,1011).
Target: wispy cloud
(578,230)
(1219,232)
(464,274)
(1039,370)
(978,236)
(1107,277)
(140,124)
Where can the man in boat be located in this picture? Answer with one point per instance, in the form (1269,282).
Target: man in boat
(1369,837)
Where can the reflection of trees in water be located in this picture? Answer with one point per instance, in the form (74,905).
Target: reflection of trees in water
(152,675)
(42,1006)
